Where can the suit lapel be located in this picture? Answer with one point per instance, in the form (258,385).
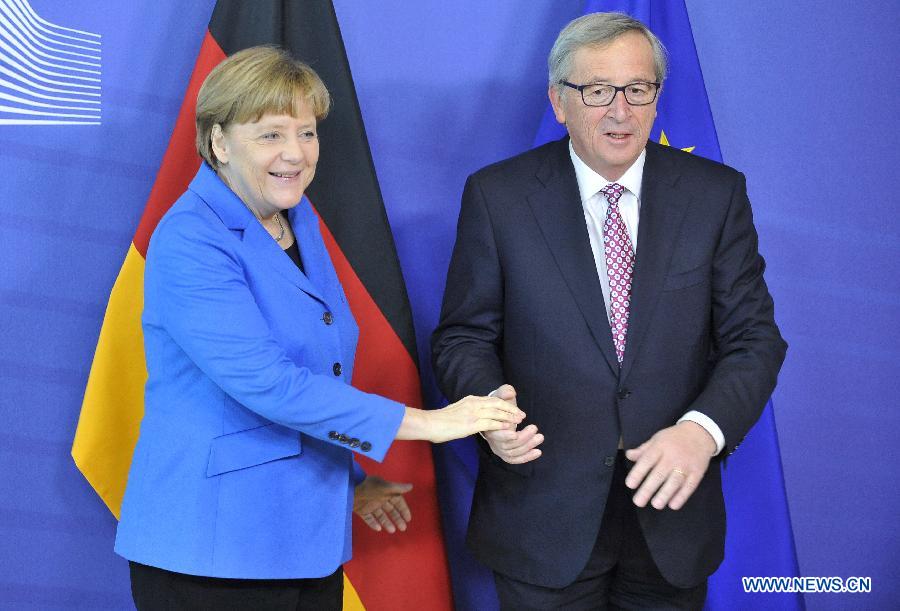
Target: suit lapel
(663,207)
(560,216)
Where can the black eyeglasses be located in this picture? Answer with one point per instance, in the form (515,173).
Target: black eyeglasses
(638,93)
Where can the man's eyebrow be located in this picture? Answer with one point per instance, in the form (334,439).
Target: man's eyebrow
(599,80)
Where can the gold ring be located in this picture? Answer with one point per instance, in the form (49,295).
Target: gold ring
(679,472)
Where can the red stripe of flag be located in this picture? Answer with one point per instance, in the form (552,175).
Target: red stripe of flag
(180,161)
(405,570)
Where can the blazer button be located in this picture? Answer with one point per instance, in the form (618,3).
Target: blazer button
(343,438)
(609,461)
(623,394)
(336,368)
(333,435)
(328,318)
(354,443)
(365,446)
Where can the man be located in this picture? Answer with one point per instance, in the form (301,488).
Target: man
(613,288)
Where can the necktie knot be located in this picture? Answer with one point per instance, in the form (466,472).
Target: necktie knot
(613,191)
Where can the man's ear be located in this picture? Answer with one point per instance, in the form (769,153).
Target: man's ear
(556,102)
(219,146)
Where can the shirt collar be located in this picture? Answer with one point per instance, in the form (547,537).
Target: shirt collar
(589,182)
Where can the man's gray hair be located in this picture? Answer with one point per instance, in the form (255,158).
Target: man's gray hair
(599,29)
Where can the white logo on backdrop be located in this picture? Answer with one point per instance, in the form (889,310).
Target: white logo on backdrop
(49,74)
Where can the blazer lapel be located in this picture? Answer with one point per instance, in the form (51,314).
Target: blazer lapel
(560,216)
(316,260)
(663,207)
(261,243)
(239,220)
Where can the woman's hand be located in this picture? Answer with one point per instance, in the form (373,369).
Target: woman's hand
(473,415)
(381,505)
(465,417)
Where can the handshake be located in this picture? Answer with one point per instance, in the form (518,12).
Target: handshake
(513,446)
(495,417)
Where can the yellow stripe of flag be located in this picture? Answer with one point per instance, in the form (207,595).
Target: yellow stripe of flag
(105,438)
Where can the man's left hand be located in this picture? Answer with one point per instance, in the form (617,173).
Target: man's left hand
(670,465)
(381,504)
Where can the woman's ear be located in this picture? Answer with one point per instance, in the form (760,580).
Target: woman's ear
(219,145)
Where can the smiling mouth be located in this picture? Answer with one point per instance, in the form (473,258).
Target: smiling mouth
(617,135)
(287,175)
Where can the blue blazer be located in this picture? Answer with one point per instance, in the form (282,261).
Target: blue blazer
(243,468)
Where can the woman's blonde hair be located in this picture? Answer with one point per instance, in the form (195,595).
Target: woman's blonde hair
(251,83)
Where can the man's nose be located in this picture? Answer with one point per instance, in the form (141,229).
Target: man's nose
(619,107)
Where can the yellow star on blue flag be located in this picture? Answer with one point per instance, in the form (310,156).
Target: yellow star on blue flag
(665,142)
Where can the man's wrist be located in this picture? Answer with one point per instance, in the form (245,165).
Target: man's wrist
(709,426)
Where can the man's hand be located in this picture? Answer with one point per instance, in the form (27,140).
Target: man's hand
(670,465)
(514,447)
(381,504)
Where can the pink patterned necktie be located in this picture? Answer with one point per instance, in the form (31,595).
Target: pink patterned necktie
(619,266)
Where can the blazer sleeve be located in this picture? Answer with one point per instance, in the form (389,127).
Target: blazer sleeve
(466,344)
(208,309)
(748,348)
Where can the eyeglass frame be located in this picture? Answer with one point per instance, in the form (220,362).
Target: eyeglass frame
(580,89)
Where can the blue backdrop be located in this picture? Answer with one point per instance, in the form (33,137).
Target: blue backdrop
(803,95)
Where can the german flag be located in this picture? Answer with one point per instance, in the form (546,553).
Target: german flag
(404,571)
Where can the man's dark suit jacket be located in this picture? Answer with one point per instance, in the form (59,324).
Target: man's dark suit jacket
(524,306)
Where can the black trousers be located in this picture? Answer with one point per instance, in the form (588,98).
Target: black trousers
(156,589)
(620,573)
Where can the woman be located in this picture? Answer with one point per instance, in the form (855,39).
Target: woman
(242,482)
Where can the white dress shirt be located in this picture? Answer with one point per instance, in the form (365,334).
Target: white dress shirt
(595,206)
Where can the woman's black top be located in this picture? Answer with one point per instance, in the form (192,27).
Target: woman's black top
(293,251)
